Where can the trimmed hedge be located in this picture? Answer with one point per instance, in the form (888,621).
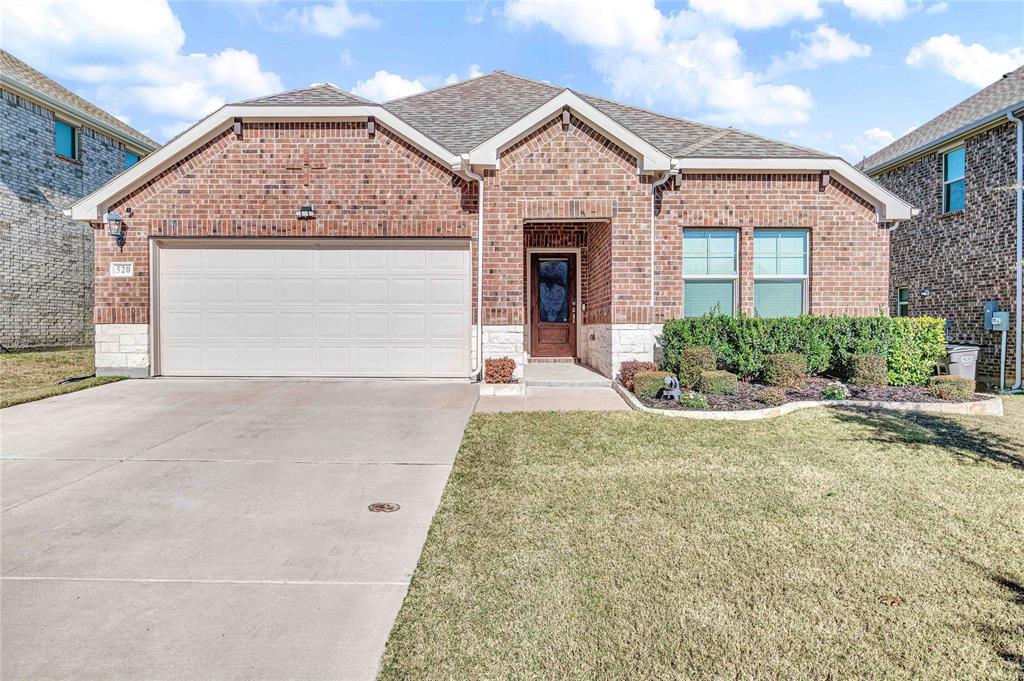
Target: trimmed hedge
(911,345)
(951,387)
(785,369)
(693,362)
(718,382)
(649,384)
(630,368)
(869,370)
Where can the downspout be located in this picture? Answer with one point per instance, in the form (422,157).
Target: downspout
(654,197)
(467,172)
(1020,248)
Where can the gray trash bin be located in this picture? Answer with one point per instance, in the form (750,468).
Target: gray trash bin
(962,360)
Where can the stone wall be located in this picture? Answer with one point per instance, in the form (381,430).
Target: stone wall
(965,258)
(46,259)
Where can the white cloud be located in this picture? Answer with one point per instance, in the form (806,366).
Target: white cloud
(973,64)
(384,86)
(141,69)
(755,14)
(474,72)
(878,10)
(332,20)
(345,58)
(936,7)
(823,45)
(600,23)
(868,142)
(680,59)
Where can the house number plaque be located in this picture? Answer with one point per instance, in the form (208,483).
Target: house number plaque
(121,269)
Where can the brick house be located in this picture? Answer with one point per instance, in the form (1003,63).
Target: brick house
(316,233)
(963,247)
(55,148)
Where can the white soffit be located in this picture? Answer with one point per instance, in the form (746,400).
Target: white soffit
(92,207)
(651,159)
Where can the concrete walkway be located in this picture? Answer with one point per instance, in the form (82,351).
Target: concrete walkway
(204,529)
(555,399)
(563,375)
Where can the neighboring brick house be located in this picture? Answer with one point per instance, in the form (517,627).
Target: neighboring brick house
(962,249)
(55,148)
(316,233)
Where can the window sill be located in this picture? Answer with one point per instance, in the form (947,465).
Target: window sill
(951,214)
(68,159)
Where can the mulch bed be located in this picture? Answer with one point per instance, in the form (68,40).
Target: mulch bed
(745,398)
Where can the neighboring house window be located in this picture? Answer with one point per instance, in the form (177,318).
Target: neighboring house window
(903,302)
(780,272)
(953,180)
(709,271)
(66,139)
(130,159)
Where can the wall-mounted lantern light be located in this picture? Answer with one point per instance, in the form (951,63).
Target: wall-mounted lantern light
(925,292)
(305,213)
(116,228)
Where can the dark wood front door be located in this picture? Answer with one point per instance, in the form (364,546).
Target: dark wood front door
(553,304)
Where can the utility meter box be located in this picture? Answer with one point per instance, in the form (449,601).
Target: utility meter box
(1000,321)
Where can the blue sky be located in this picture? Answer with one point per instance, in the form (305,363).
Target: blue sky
(845,76)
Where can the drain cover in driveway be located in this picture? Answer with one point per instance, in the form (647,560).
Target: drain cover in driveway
(384,507)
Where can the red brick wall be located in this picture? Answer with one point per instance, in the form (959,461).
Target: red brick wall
(849,254)
(564,174)
(251,187)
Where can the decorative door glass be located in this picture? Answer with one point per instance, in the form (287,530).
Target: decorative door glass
(553,290)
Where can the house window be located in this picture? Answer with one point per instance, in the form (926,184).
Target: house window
(780,272)
(903,302)
(953,180)
(709,271)
(130,159)
(66,139)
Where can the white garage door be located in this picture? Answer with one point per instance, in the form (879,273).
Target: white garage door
(314,309)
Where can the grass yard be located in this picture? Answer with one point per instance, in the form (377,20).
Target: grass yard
(28,376)
(829,544)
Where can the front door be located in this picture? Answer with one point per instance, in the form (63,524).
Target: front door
(553,304)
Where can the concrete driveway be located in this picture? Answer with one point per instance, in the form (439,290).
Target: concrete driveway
(215,529)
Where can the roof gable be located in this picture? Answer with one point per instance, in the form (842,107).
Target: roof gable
(1006,93)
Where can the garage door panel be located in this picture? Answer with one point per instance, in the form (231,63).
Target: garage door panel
(314,310)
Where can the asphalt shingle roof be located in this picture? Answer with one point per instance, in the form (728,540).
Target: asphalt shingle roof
(999,96)
(460,117)
(15,69)
(322,94)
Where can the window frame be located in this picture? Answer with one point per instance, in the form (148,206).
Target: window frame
(76,151)
(946,182)
(730,278)
(804,278)
(902,306)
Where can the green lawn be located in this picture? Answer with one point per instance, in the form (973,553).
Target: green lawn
(28,376)
(829,544)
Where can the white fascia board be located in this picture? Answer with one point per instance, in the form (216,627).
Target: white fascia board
(889,206)
(651,159)
(91,207)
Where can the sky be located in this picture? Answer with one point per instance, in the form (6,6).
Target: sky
(842,76)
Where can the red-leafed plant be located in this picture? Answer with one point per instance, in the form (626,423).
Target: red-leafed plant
(630,368)
(499,370)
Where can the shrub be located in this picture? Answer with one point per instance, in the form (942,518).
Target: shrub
(718,382)
(499,369)
(786,369)
(649,383)
(835,391)
(772,396)
(951,387)
(911,345)
(693,361)
(869,370)
(693,401)
(630,368)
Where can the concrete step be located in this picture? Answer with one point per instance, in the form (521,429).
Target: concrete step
(562,375)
